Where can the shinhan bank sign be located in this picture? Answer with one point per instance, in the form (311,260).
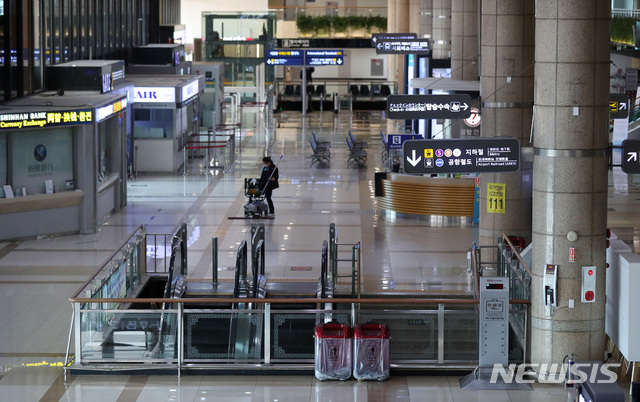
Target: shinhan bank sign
(155,95)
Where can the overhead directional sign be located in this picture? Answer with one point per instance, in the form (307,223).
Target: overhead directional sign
(482,155)
(428,106)
(285,58)
(377,37)
(618,106)
(403,46)
(324,57)
(630,156)
(395,141)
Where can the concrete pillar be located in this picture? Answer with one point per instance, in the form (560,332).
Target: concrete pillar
(391,27)
(426,20)
(508,33)
(398,12)
(464,40)
(414,16)
(402,25)
(441,35)
(570,173)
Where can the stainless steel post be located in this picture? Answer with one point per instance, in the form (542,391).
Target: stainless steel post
(440,333)
(303,91)
(180,337)
(267,333)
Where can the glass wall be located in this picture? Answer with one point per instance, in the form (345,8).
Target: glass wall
(108,154)
(153,123)
(38,156)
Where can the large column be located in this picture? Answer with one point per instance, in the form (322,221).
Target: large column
(508,28)
(414,16)
(441,36)
(402,25)
(570,173)
(464,40)
(391,27)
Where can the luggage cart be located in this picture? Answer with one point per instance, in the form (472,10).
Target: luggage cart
(371,352)
(333,352)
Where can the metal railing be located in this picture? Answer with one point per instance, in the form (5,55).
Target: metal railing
(292,12)
(293,88)
(432,333)
(218,154)
(623,12)
(123,270)
(158,251)
(334,259)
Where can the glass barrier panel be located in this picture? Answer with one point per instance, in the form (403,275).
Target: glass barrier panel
(414,335)
(461,336)
(128,336)
(225,335)
(292,332)
(517,328)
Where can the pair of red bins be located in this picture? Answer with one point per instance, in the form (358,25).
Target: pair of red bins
(338,355)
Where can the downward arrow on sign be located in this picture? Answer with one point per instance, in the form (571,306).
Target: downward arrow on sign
(413,161)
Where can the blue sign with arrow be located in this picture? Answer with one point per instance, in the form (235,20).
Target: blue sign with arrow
(285,58)
(324,57)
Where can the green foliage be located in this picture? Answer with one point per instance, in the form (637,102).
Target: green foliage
(323,25)
(622,29)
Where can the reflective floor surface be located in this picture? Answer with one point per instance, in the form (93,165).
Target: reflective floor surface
(46,385)
(399,254)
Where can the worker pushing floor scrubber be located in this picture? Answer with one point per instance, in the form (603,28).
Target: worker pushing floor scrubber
(258,191)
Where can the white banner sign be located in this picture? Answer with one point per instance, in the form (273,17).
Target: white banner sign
(155,95)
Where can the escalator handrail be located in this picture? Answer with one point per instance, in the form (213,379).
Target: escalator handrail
(239,258)
(324,269)
(259,250)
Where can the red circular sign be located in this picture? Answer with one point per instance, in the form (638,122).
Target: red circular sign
(589,296)
(474,119)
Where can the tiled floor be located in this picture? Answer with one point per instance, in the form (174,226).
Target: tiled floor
(399,254)
(28,386)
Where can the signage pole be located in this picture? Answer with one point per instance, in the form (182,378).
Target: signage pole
(303,90)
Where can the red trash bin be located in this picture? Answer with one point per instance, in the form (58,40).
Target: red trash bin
(371,350)
(333,352)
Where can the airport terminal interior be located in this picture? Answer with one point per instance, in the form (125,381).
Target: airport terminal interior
(291,200)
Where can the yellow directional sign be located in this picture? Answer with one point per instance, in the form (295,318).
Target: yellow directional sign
(496,198)
(613,107)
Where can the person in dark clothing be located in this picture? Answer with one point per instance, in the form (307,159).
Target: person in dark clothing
(269,181)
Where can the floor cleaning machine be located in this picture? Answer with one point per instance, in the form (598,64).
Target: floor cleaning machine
(257,205)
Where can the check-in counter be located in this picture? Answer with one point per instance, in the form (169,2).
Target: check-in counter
(165,115)
(420,195)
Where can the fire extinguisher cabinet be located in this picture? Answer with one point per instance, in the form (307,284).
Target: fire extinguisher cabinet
(371,352)
(333,349)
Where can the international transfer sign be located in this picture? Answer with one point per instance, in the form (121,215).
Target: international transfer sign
(402,107)
(482,155)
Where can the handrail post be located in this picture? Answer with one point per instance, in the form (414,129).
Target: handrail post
(214,260)
(71,327)
(267,334)
(78,333)
(353,270)
(180,337)
(440,333)
(359,269)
